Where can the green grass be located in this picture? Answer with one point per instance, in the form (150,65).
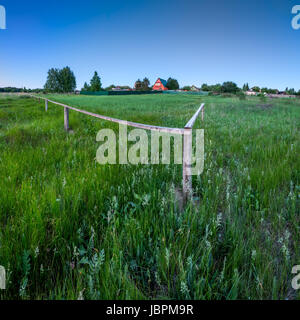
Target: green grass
(71,227)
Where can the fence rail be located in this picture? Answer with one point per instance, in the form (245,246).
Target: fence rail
(186,132)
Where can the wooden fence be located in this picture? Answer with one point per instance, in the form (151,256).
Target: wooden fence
(186,132)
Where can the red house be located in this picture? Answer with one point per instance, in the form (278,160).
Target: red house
(160,85)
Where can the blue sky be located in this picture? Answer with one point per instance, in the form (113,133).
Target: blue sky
(195,41)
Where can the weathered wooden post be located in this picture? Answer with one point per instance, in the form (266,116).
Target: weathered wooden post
(66,118)
(187,155)
(46,105)
(187,163)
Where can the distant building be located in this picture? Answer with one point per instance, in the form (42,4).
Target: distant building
(160,85)
(251,93)
(281,95)
(118,88)
(194,88)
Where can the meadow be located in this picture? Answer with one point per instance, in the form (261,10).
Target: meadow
(73,229)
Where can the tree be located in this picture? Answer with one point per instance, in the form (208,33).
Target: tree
(61,81)
(172,84)
(86,87)
(110,87)
(95,83)
(216,88)
(270,91)
(10,89)
(53,81)
(125,87)
(205,87)
(256,89)
(186,88)
(246,87)
(230,87)
(138,85)
(67,80)
(146,84)
(290,91)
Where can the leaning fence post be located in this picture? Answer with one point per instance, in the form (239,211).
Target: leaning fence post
(46,105)
(66,118)
(187,155)
(187,163)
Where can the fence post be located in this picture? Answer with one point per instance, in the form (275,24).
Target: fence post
(187,163)
(66,118)
(46,105)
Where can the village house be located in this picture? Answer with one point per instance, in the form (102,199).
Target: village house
(120,88)
(251,93)
(194,88)
(160,85)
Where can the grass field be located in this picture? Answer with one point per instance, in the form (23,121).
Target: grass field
(71,228)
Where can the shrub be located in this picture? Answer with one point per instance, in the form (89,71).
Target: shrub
(241,95)
(227,95)
(262,97)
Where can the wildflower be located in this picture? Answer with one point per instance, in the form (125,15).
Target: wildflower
(284,246)
(75,252)
(208,244)
(285,251)
(80,297)
(287,235)
(157,278)
(219,219)
(184,289)
(190,262)
(146,200)
(36,252)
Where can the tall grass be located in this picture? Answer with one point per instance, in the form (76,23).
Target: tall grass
(73,229)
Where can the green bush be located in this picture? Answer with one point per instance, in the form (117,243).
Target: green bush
(262,97)
(241,95)
(227,95)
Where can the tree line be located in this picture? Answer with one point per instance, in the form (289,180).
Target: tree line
(144,85)
(231,87)
(64,81)
(19,90)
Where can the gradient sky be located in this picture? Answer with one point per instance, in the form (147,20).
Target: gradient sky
(195,41)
